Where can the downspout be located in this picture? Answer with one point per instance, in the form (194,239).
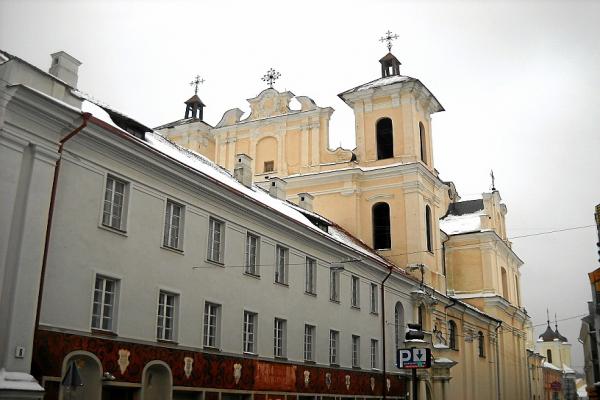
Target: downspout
(498,396)
(85,116)
(383,376)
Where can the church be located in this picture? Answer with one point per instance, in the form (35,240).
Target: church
(246,259)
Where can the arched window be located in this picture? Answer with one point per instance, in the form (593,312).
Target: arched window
(549,355)
(452,343)
(481,344)
(399,324)
(385,139)
(428,230)
(381,226)
(504,284)
(423,143)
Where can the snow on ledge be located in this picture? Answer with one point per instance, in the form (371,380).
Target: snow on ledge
(18,381)
(455,224)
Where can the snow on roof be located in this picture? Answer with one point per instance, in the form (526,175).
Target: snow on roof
(456,224)
(551,366)
(567,370)
(388,80)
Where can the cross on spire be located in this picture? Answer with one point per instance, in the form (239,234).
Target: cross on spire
(493,180)
(388,38)
(271,76)
(197,81)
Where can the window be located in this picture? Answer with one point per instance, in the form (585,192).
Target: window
(311,276)
(309,342)
(517,290)
(399,324)
(269,166)
(113,214)
(504,283)
(212,322)
(334,343)
(355,292)
(252,242)
(452,343)
(279,337)
(165,323)
(385,139)
(355,351)
(281,269)
(549,355)
(421,315)
(374,353)
(216,240)
(423,143)
(334,284)
(374,300)
(481,344)
(173,225)
(105,297)
(428,231)
(250,321)
(381,226)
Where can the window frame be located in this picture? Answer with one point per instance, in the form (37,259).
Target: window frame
(168,225)
(334,347)
(355,351)
(281,264)
(249,267)
(249,345)
(381,221)
(373,299)
(210,249)
(161,334)
(355,291)
(452,333)
(101,317)
(268,166)
(310,278)
(124,206)
(374,353)
(334,285)
(309,345)
(216,342)
(279,337)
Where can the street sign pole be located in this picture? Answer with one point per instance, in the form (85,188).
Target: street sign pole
(415,385)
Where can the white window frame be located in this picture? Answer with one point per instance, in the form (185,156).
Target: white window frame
(173,227)
(114,215)
(309,342)
(252,254)
(355,291)
(212,325)
(282,255)
(166,326)
(279,337)
(334,347)
(250,329)
(374,299)
(216,240)
(103,311)
(374,354)
(334,285)
(310,276)
(355,351)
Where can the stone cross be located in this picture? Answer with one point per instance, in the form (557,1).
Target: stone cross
(388,38)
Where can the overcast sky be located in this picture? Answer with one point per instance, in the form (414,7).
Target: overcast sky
(519,80)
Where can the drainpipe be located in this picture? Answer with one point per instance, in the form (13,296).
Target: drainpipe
(85,116)
(383,376)
(498,396)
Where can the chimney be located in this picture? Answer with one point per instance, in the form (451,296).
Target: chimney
(242,170)
(65,67)
(305,201)
(277,188)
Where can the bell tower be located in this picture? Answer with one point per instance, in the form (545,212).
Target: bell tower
(194,107)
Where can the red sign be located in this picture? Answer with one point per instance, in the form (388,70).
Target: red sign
(556,386)
(268,376)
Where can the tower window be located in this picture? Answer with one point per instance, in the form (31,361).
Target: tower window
(269,166)
(423,143)
(549,355)
(481,344)
(381,226)
(504,284)
(452,343)
(385,139)
(428,231)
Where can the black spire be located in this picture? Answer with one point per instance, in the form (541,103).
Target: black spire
(557,333)
(548,335)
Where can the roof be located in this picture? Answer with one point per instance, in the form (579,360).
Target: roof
(463,217)
(182,121)
(45,73)
(195,99)
(389,57)
(559,336)
(549,335)
(388,80)
(465,207)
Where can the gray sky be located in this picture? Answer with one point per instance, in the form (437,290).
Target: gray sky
(519,81)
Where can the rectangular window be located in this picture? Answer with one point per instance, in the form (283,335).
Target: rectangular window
(173,236)
(212,322)
(113,214)
(279,337)
(334,343)
(269,166)
(355,351)
(250,321)
(374,353)
(334,284)
(355,292)
(105,297)
(252,242)
(165,322)
(309,342)
(281,269)
(311,276)
(216,243)
(374,301)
